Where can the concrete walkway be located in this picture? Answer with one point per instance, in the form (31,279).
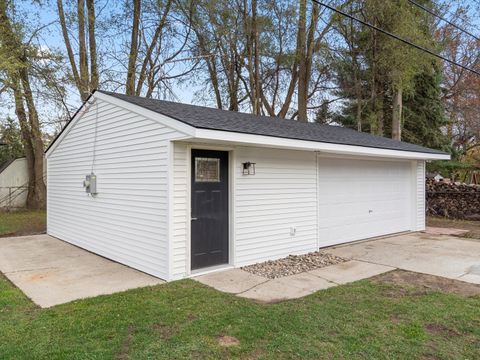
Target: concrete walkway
(439,255)
(245,284)
(52,272)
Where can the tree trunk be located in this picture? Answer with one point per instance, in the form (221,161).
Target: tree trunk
(358,95)
(256,56)
(38,196)
(26,141)
(233,81)
(397,115)
(66,39)
(92,45)
(291,89)
(359,114)
(132,58)
(212,69)
(82,49)
(250,45)
(310,44)
(380,117)
(358,86)
(302,62)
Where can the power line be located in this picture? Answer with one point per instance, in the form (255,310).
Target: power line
(405,41)
(442,18)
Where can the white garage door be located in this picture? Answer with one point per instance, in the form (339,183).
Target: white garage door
(359,199)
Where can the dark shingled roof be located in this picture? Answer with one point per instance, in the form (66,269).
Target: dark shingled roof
(215,119)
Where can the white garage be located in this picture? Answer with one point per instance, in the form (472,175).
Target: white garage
(175,190)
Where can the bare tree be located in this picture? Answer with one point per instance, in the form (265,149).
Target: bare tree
(267,52)
(222,42)
(18,80)
(152,39)
(461,88)
(86,79)
(132,58)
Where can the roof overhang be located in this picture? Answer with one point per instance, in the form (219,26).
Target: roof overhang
(227,137)
(205,135)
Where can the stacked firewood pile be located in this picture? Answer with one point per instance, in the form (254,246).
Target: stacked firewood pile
(453,200)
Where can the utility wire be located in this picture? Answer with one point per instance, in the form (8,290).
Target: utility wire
(94,150)
(442,18)
(405,41)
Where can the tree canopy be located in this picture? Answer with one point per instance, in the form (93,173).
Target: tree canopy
(287,58)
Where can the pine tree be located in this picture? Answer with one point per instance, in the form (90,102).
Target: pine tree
(424,114)
(375,74)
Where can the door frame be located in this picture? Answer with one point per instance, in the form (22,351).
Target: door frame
(231,207)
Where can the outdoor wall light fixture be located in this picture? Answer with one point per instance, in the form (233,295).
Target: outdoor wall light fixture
(248,168)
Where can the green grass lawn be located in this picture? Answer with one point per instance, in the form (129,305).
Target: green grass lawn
(23,222)
(185,319)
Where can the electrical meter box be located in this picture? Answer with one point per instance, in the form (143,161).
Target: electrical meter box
(90,184)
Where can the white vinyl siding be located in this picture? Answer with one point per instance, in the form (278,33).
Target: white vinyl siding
(281,196)
(360,199)
(127,221)
(181,211)
(289,191)
(420,196)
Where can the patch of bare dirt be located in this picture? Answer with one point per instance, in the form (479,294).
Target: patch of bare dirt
(428,282)
(442,330)
(123,353)
(228,341)
(471,225)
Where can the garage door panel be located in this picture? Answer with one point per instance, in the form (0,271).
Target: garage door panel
(377,197)
(359,199)
(339,218)
(355,220)
(368,229)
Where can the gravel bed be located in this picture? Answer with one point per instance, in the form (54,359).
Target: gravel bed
(293,264)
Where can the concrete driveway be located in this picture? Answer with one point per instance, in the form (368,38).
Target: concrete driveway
(440,255)
(51,272)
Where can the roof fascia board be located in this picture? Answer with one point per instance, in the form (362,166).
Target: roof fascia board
(164,120)
(270,141)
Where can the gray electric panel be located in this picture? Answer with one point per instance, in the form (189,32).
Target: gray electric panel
(90,184)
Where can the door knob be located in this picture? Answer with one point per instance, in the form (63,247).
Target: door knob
(194,218)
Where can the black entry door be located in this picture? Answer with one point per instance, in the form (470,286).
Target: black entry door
(209,208)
